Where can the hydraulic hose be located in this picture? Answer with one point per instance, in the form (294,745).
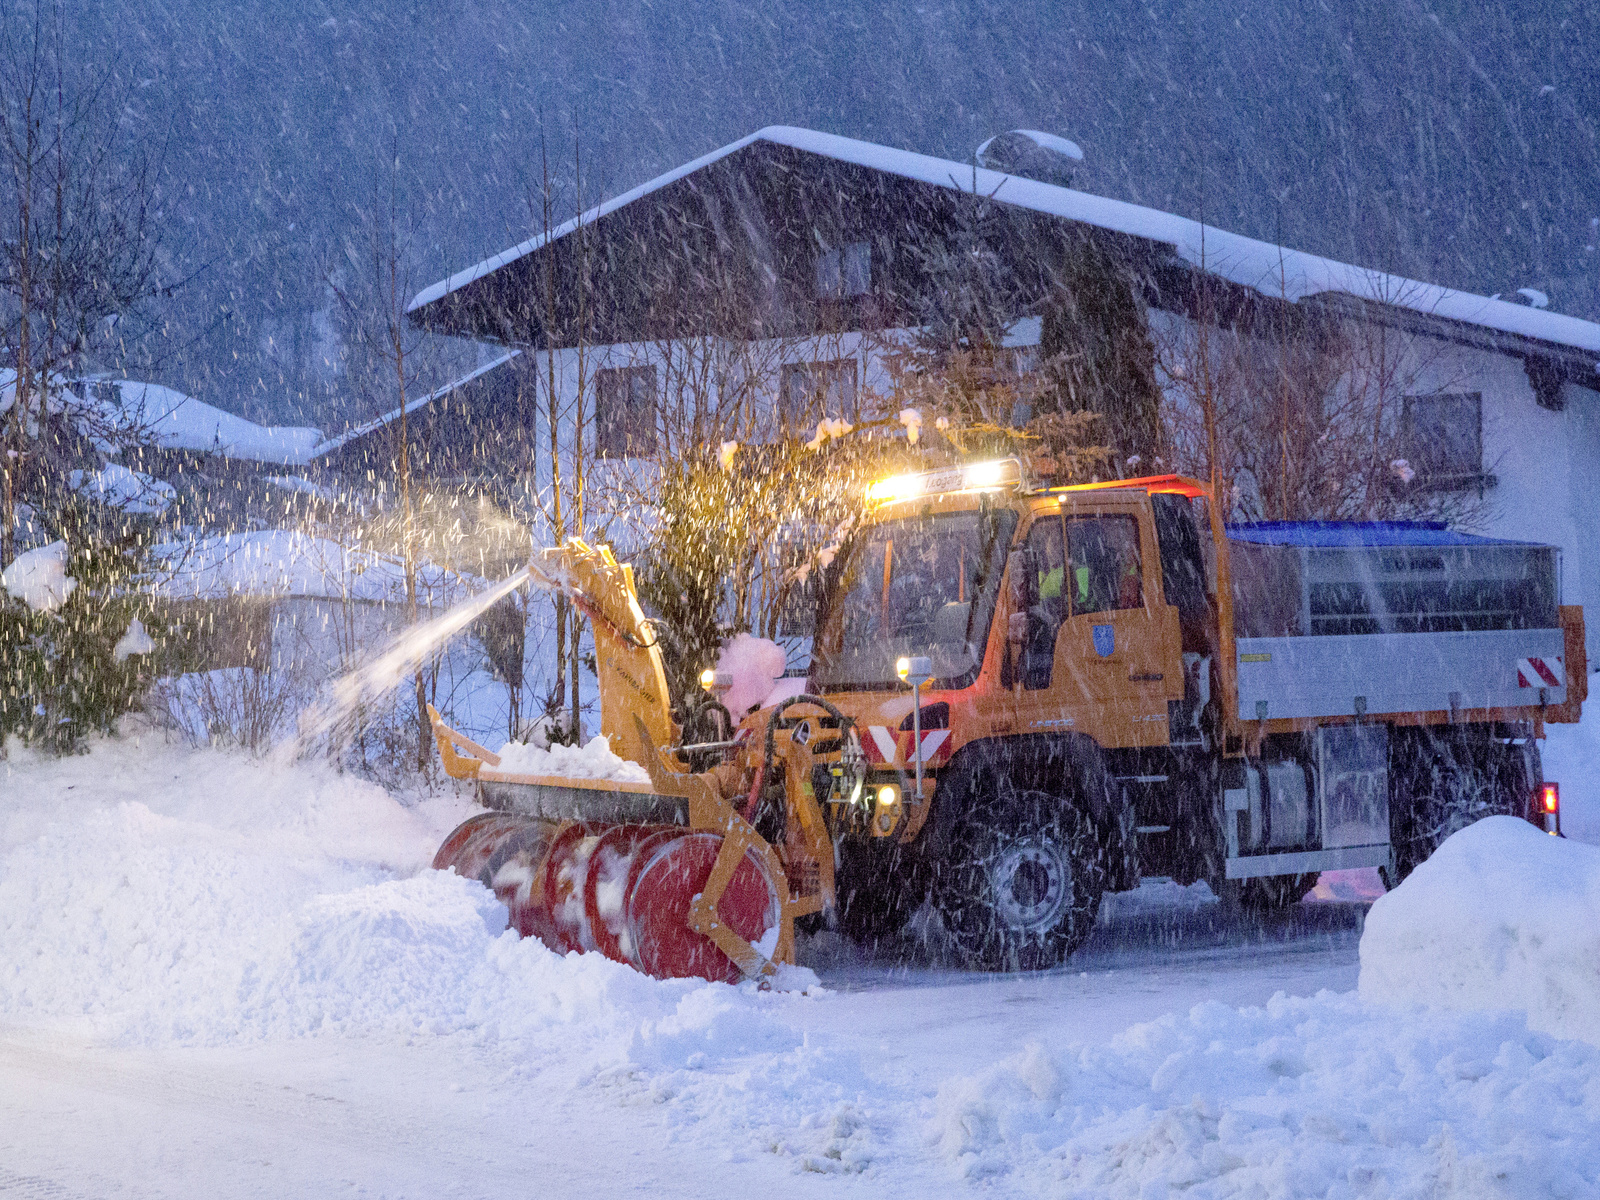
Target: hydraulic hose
(753,804)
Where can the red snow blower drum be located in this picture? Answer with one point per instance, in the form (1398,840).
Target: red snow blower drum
(622,890)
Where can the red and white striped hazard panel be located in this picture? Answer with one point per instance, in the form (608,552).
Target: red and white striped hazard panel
(934,741)
(879,744)
(1540,673)
(883,745)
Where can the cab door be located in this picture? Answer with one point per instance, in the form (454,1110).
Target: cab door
(1118,655)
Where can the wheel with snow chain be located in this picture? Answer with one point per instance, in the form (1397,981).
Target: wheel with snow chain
(1020,882)
(1451,784)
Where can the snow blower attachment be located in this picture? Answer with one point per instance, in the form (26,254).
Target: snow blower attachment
(696,873)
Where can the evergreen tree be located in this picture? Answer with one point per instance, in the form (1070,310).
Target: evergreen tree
(1098,356)
(981,276)
(72,659)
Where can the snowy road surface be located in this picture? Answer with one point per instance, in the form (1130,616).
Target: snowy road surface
(416,1117)
(224,978)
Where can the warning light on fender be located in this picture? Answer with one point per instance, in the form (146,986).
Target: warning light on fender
(1550,807)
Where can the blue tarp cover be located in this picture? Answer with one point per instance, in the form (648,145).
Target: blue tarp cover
(1333,534)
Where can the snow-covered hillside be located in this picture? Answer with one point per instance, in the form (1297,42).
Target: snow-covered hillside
(228,977)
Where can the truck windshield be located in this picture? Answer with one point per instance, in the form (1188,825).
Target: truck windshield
(921,585)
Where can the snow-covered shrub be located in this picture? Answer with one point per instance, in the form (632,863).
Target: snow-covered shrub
(71,659)
(238,706)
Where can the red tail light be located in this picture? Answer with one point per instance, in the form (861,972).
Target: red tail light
(1549,805)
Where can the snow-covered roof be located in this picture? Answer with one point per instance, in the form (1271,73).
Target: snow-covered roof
(175,421)
(114,412)
(349,435)
(1272,270)
(119,412)
(284,562)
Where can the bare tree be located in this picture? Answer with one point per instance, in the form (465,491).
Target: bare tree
(79,243)
(373,300)
(1294,412)
(752,453)
(562,308)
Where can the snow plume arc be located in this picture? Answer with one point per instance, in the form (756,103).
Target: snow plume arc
(372,679)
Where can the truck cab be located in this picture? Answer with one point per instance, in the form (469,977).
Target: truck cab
(1081,724)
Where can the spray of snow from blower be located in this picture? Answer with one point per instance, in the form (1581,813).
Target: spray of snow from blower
(372,679)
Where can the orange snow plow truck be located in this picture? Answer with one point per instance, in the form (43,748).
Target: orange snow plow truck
(1021,698)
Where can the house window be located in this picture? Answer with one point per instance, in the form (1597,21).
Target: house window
(818,389)
(846,272)
(625,411)
(1441,439)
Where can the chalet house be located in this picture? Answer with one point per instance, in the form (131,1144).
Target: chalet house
(810,247)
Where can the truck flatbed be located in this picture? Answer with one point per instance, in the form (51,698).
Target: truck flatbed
(1357,619)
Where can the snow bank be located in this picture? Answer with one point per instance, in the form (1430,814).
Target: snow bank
(153,895)
(754,665)
(1502,916)
(1324,1096)
(39,578)
(593,760)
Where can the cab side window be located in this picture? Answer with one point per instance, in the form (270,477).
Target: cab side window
(1047,541)
(1104,569)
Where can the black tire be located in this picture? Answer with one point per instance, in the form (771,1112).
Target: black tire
(878,890)
(1019,886)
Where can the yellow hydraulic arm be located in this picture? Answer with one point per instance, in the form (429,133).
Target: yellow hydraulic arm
(633,681)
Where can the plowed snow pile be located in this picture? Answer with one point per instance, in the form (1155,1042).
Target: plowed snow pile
(1502,916)
(593,760)
(165,898)
(1308,1097)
